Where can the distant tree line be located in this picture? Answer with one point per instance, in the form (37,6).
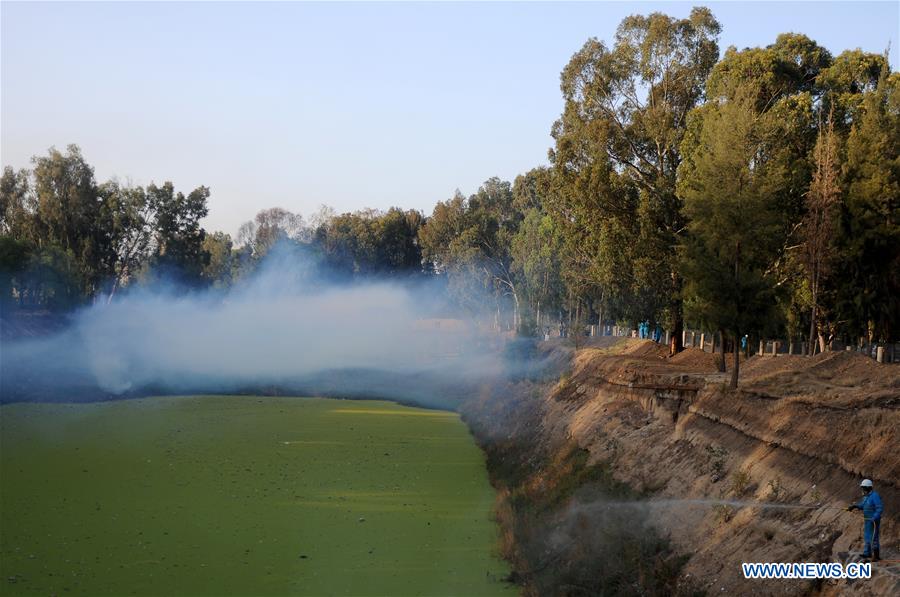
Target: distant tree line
(66,240)
(749,195)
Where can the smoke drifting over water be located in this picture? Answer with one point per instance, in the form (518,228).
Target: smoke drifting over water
(287,329)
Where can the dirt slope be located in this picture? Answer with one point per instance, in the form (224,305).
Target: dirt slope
(799,431)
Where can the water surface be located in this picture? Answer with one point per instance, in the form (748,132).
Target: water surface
(220,495)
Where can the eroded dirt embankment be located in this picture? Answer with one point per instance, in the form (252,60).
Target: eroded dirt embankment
(623,421)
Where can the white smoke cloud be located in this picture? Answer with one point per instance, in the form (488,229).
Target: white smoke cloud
(285,325)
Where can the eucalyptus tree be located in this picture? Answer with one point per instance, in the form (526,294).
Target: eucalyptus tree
(617,146)
(127,218)
(177,244)
(470,240)
(16,204)
(224,262)
(269,227)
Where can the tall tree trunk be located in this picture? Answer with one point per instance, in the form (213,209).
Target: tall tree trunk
(812,315)
(576,332)
(737,361)
(112,291)
(675,341)
(721,362)
(515,312)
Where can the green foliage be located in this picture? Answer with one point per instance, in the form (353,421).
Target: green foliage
(270,227)
(221,269)
(86,239)
(853,74)
(178,238)
(371,242)
(16,203)
(740,482)
(718,456)
(786,68)
(15,255)
(537,261)
(125,213)
(730,184)
(470,240)
(617,152)
(53,279)
(868,267)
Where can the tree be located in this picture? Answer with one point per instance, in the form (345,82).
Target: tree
(852,74)
(220,270)
(126,215)
(818,226)
(784,76)
(16,205)
(868,266)
(371,242)
(537,253)
(624,118)
(269,227)
(15,256)
(67,215)
(396,245)
(470,240)
(178,238)
(730,182)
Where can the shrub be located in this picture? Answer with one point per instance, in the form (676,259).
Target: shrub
(740,481)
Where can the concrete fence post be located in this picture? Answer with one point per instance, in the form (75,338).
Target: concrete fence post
(879,354)
(762,347)
(703,341)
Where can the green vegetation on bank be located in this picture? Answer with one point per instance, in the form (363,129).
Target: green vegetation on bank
(243,495)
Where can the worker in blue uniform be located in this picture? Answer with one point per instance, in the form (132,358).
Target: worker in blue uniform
(871,507)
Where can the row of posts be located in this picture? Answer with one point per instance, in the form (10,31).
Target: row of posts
(615,330)
(771,347)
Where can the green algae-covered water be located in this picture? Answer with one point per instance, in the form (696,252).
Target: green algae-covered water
(214,495)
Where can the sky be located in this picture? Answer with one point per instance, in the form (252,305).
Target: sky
(296,105)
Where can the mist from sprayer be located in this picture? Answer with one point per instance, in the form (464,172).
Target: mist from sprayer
(706,503)
(291,326)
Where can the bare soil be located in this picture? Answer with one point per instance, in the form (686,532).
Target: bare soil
(798,431)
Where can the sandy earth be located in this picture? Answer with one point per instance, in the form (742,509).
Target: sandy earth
(798,431)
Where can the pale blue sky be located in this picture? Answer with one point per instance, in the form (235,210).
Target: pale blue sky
(352,105)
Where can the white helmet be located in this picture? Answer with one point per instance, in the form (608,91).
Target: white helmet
(866,483)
